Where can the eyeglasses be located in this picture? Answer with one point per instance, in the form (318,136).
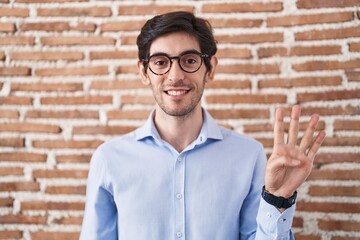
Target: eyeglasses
(189,61)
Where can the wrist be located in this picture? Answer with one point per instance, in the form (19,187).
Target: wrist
(279,202)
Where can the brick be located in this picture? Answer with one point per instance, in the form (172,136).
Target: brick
(306,19)
(341,125)
(345,238)
(22,157)
(72,71)
(128,40)
(49,1)
(353,75)
(14,12)
(341,141)
(297,222)
(301,236)
(69,221)
(16,40)
(239,113)
(325,111)
(4,1)
(328,95)
(46,56)
(2,58)
(326,65)
(60,144)
(71,190)
(29,127)
(11,171)
(128,114)
(69,114)
(300,82)
(120,54)
(324,158)
(137,99)
(152,9)
(75,12)
(19,186)
(328,207)
(117,84)
(327,3)
(327,191)
(126,69)
(81,100)
(7,27)
(129,25)
(244,53)
(246,98)
(6,202)
(15,100)
(229,84)
(58,26)
(354,47)
(250,38)
(339,225)
(299,51)
(12,142)
(249,68)
(10,234)
(330,174)
(339,33)
(42,205)
(76,41)
(103,130)
(46,87)
(22,219)
(54,235)
(242,7)
(73,158)
(15,71)
(73,174)
(268,127)
(235,23)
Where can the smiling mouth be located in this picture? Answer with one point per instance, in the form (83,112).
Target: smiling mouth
(176,92)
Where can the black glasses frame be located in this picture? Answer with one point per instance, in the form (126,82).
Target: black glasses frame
(201,55)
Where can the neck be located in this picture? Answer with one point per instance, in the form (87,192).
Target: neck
(179,131)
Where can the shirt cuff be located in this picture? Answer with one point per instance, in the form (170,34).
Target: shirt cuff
(273,221)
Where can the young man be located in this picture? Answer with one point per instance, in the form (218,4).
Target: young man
(181,176)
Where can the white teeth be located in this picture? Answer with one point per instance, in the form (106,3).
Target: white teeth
(176,93)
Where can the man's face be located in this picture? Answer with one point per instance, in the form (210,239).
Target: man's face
(177,93)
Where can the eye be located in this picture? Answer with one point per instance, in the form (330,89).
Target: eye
(159,61)
(190,59)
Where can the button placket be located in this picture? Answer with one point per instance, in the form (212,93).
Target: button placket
(179,197)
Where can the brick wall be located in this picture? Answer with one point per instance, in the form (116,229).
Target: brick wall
(68,82)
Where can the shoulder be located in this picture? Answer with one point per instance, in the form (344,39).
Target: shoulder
(233,137)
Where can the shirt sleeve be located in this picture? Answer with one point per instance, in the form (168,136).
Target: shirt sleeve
(260,220)
(100,217)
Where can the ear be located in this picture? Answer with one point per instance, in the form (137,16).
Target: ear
(210,74)
(144,77)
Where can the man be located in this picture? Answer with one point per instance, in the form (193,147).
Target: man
(181,176)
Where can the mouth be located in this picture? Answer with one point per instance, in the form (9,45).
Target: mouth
(176,92)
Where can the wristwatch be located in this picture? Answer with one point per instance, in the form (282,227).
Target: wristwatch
(279,202)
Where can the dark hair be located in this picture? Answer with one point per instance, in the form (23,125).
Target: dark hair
(176,22)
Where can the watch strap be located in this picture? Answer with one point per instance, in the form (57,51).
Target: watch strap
(278,201)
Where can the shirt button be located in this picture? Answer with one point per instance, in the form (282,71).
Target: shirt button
(179,196)
(268,215)
(179,234)
(179,159)
(282,220)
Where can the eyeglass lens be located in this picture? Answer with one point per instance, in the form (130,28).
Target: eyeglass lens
(161,64)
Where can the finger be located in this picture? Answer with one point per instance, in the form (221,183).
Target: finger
(307,139)
(316,145)
(294,125)
(279,127)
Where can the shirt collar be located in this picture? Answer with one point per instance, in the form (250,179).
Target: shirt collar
(209,130)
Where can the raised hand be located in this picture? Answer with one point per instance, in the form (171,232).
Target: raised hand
(290,163)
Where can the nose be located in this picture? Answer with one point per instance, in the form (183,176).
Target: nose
(175,73)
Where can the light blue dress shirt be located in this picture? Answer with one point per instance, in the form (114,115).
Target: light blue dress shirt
(140,188)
